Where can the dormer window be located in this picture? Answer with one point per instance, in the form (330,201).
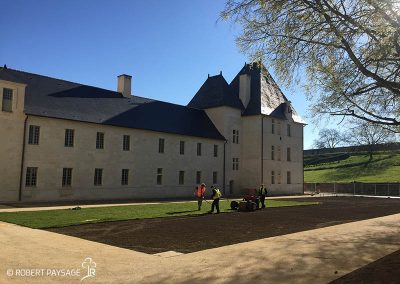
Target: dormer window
(7,100)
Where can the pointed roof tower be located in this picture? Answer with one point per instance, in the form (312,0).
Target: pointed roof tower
(265,95)
(215,92)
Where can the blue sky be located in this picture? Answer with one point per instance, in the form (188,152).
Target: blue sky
(168,47)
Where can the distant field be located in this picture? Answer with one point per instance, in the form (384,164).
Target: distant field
(384,167)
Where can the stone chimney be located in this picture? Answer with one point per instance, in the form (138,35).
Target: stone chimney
(124,85)
(244,89)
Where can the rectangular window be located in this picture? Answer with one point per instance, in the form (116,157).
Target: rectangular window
(279,177)
(235,136)
(198,177)
(215,150)
(182,148)
(7,100)
(181,177)
(288,154)
(31,177)
(161,143)
(215,177)
(288,178)
(273,126)
(34,134)
(198,149)
(235,164)
(278,128)
(125,177)
(272,177)
(279,153)
(289,130)
(100,140)
(98,177)
(67,177)
(69,138)
(159,175)
(272,152)
(126,143)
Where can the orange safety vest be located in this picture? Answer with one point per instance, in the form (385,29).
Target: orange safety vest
(200,191)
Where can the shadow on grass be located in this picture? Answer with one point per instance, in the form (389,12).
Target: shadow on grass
(180,212)
(365,164)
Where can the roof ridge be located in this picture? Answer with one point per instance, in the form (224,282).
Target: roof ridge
(58,79)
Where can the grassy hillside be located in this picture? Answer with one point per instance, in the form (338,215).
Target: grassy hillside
(384,167)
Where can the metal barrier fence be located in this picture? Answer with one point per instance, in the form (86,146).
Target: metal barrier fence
(354,188)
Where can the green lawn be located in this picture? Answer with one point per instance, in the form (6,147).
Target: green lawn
(66,217)
(384,167)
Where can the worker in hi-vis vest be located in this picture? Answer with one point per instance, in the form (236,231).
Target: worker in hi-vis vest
(199,193)
(262,193)
(216,194)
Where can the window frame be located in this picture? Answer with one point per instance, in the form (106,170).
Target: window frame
(272,152)
(126,142)
(34,135)
(31,176)
(181,177)
(198,177)
(289,130)
(288,154)
(100,140)
(198,149)
(98,177)
(159,176)
(7,100)
(288,177)
(69,138)
(125,177)
(161,145)
(66,177)
(272,177)
(215,150)
(215,177)
(181,147)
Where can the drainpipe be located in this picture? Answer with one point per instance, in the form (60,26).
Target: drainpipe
(262,149)
(223,172)
(22,160)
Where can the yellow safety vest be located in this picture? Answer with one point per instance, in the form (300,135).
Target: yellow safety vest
(217,193)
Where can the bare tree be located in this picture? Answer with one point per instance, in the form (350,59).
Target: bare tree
(328,138)
(363,133)
(349,49)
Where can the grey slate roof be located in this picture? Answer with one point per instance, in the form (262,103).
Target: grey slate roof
(57,98)
(215,92)
(266,96)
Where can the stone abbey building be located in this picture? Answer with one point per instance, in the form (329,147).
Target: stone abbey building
(61,140)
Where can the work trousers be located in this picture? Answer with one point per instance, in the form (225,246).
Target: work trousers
(262,200)
(199,202)
(215,204)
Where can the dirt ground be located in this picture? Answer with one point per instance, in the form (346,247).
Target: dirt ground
(194,233)
(190,234)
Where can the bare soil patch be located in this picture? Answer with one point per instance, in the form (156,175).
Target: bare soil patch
(194,233)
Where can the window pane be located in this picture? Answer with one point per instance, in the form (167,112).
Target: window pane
(198,177)
(126,143)
(198,149)
(7,100)
(181,177)
(215,177)
(31,177)
(215,150)
(159,176)
(161,145)
(67,177)
(100,140)
(98,176)
(124,176)
(34,134)
(182,147)
(69,138)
